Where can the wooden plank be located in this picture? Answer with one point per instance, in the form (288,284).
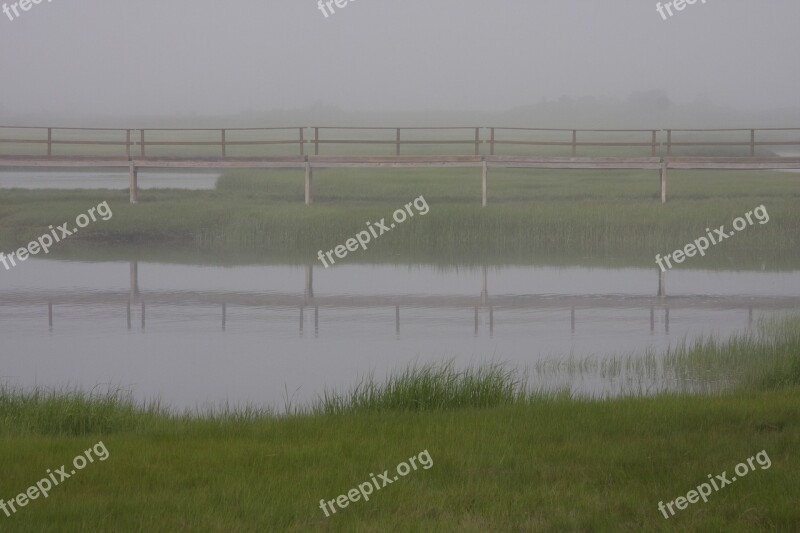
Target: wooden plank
(683,163)
(395,159)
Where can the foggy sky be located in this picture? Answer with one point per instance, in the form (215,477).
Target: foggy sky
(123,57)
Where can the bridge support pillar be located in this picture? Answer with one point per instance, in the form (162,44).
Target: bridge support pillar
(133,182)
(663,173)
(309,179)
(485,185)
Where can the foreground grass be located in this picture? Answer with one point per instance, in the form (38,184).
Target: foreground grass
(595,217)
(560,465)
(503,459)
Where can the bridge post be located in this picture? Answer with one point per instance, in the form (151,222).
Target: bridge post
(397,143)
(133,182)
(485,184)
(309,180)
(574,142)
(663,175)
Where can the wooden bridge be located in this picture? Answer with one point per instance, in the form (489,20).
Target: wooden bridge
(480,147)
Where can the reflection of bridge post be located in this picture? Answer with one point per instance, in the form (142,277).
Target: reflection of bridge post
(133,295)
(134,280)
(572,318)
(309,289)
(485,292)
(662,283)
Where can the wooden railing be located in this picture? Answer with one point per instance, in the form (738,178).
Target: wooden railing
(19,141)
(398,140)
(573,142)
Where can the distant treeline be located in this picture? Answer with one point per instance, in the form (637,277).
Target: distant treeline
(645,109)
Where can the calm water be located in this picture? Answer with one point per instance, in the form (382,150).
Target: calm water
(107,179)
(249,334)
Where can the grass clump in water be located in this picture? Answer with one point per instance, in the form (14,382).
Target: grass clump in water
(429,387)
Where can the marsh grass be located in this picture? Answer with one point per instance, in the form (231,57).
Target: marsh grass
(73,412)
(429,387)
(768,356)
(603,217)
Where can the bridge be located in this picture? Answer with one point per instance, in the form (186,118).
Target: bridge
(402,147)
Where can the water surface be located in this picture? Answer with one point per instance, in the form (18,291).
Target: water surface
(197,335)
(106,179)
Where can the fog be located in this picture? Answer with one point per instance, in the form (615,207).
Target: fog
(583,61)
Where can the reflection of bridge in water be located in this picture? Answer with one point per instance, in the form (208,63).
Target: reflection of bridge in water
(137,300)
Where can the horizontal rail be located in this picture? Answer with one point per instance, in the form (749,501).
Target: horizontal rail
(212,142)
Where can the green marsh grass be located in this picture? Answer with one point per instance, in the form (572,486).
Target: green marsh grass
(766,356)
(587,217)
(429,387)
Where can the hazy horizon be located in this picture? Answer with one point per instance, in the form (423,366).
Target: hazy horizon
(116,59)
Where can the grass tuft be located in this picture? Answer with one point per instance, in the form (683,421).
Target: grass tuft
(429,387)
